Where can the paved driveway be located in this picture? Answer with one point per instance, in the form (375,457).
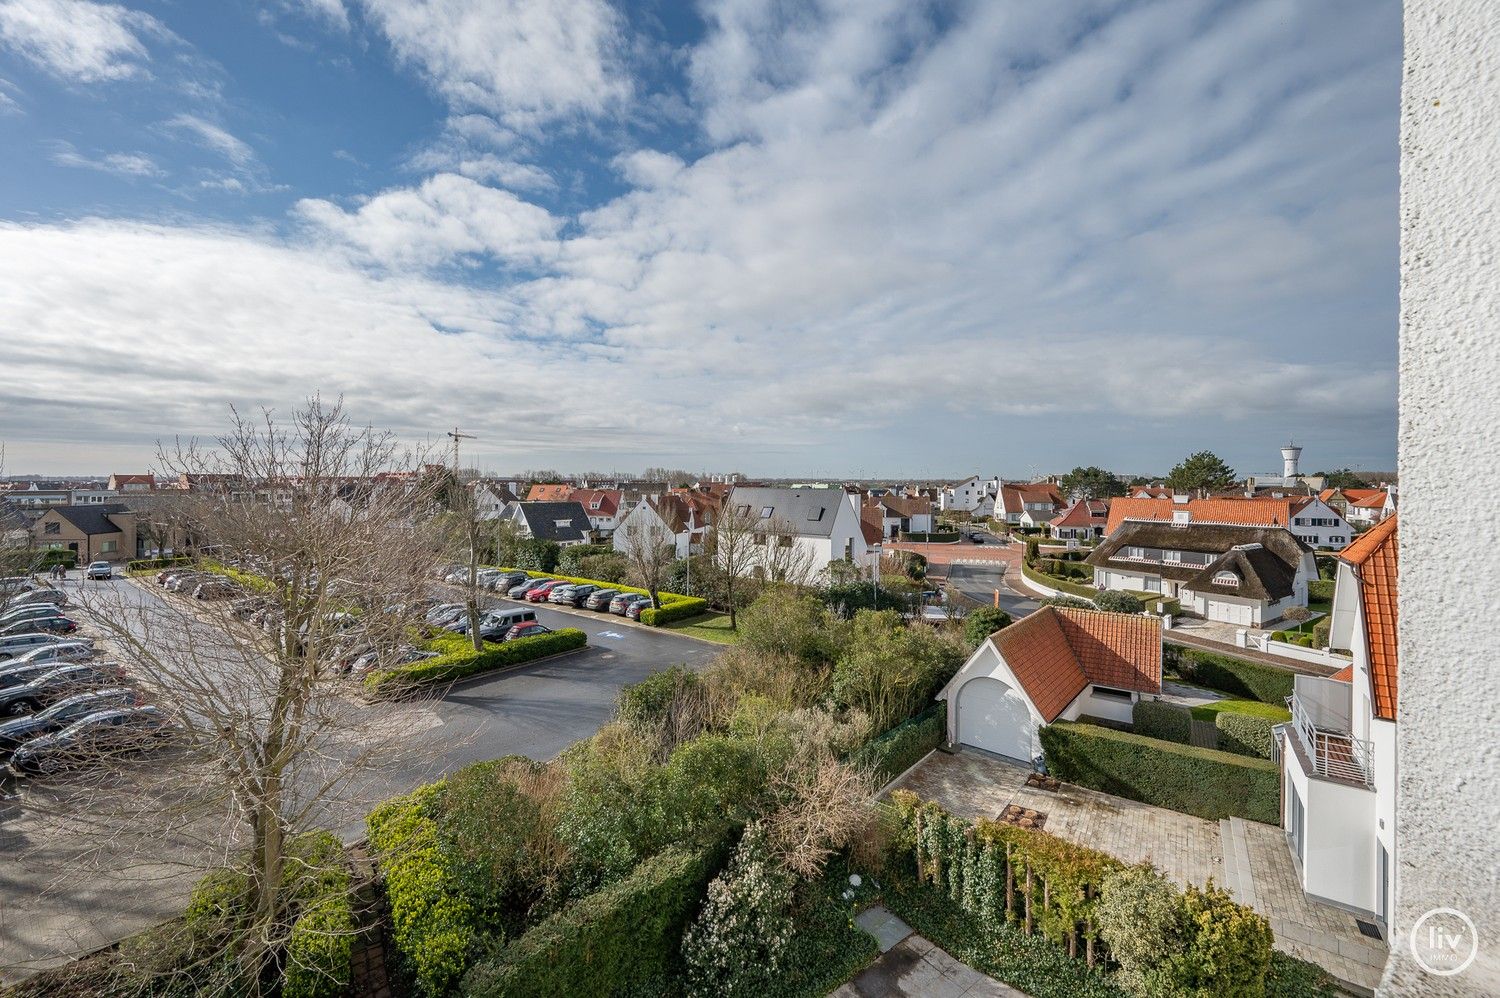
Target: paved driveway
(61,895)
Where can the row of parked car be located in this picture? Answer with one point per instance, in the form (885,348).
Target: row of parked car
(199,584)
(60,704)
(583,596)
(26,607)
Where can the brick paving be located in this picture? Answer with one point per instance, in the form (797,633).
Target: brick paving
(1248,858)
(1178,636)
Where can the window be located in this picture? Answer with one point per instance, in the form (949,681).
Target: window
(766,511)
(742,510)
(785,540)
(52,528)
(108,547)
(596,504)
(1226,579)
(1109,693)
(1171,556)
(1153,584)
(814,515)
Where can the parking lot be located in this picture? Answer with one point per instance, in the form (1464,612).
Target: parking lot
(48,911)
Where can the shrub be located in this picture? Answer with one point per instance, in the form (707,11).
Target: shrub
(1289,977)
(646,703)
(890,670)
(456,665)
(148,564)
(537,555)
(434,925)
(1245,734)
(624,939)
(57,556)
(1118,602)
(900,748)
(1157,719)
(682,608)
(1140,916)
(569,559)
(982,622)
(1228,946)
(1072,602)
(1321,632)
(216,905)
(1236,676)
(734,948)
(784,621)
(322,944)
(1320,590)
(1204,782)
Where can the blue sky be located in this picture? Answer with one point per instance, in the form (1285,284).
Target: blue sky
(874,237)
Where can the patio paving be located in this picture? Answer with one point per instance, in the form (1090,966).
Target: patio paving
(1247,858)
(910,965)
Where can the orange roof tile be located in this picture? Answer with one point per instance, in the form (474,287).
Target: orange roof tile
(1373,559)
(1260,511)
(1344,675)
(549,493)
(1057,651)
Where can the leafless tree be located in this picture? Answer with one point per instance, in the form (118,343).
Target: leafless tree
(274,738)
(736,550)
(783,557)
(651,548)
(470,537)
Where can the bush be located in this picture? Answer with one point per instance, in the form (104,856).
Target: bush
(1289,977)
(322,940)
(1157,719)
(569,559)
(646,703)
(57,556)
(1072,602)
(734,948)
(154,564)
(1320,590)
(1235,676)
(982,622)
(1245,734)
(1140,916)
(434,926)
(784,621)
(933,538)
(1118,602)
(453,666)
(621,940)
(900,748)
(1228,946)
(1061,585)
(1204,782)
(682,608)
(890,670)
(537,555)
(216,905)
(1321,632)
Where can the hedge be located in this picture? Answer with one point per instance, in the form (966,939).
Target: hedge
(624,939)
(936,537)
(1320,590)
(1245,734)
(674,606)
(1204,782)
(900,748)
(152,564)
(1061,585)
(1167,721)
(434,926)
(58,556)
(454,666)
(1236,676)
(321,945)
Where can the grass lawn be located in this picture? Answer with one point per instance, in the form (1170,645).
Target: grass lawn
(1254,708)
(709,626)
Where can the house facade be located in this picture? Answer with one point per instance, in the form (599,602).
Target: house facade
(492,500)
(1055,663)
(566,523)
(683,514)
(1248,576)
(604,507)
(824,523)
(1313,521)
(898,515)
(95,532)
(968,496)
(1084,520)
(1028,505)
(1338,753)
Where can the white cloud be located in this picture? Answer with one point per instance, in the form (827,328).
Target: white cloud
(329,11)
(212,136)
(447,217)
(129,164)
(527,61)
(77,39)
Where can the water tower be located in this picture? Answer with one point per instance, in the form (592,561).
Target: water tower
(1289,455)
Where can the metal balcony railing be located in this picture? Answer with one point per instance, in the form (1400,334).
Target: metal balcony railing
(1337,755)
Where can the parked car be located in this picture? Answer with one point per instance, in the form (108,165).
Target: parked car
(599,599)
(562,593)
(539,592)
(495,625)
(178,581)
(620,605)
(52,625)
(20,644)
(99,570)
(216,588)
(56,651)
(578,595)
(14,675)
(529,629)
(522,587)
(58,682)
(504,582)
(99,737)
(17,584)
(15,732)
(444,615)
(29,612)
(633,611)
(34,597)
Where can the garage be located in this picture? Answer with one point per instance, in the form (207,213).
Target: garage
(1230,613)
(994,717)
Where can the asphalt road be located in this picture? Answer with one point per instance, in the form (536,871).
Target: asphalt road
(979,582)
(49,912)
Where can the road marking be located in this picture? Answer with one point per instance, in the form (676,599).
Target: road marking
(610,634)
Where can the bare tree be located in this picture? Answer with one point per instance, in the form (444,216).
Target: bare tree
(273,740)
(470,537)
(784,558)
(736,550)
(651,548)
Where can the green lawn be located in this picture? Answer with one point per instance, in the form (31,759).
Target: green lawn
(1254,708)
(708,626)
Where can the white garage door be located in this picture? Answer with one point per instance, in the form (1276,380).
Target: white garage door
(1229,613)
(993,717)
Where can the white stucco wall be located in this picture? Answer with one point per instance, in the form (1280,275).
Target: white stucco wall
(1448,813)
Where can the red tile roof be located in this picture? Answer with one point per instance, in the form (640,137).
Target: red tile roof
(608,499)
(549,493)
(1057,651)
(1373,559)
(1261,511)
(1085,513)
(1344,675)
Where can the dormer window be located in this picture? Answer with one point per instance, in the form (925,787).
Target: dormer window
(1226,579)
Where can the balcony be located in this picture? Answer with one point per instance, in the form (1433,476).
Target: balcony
(1320,724)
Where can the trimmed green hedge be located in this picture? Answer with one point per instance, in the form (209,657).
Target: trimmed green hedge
(321,945)
(1245,734)
(1061,585)
(1236,676)
(936,537)
(1204,782)
(153,564)
(624,939)
(433,922)
(900,748)
(1320,591)
(459,665)
(674,606)
(1167,721)
(57,556)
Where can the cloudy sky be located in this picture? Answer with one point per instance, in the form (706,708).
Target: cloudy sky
(821,237)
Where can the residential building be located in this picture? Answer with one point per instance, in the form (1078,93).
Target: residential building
(685,520)
(93,532)
(1030,505)
(825,523)
(125,484)
(898,515)
(492,500)
(968,496)
(1084,520)
(1236,574)
(564,522)
(1314,522)
(603,506)
(1338,753)
(1055,663)
(549,492)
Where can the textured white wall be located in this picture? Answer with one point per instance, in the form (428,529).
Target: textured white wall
(1448,736)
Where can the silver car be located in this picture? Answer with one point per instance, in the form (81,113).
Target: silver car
(61,651)
(19,644)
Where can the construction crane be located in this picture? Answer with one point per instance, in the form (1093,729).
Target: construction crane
(456,436)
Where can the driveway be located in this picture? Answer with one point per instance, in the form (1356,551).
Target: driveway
(61,895)
(910,965)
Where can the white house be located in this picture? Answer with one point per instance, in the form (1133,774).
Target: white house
(824,522)
(968,496)
(1313,521)
(1240,575)
(900,515)
(563,522)
(1028,505)
(603,507)
(1338,753)
(1055,663)
(492,500)
(685,516)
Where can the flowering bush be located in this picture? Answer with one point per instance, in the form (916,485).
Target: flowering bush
(735,947)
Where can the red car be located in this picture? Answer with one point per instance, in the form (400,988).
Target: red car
(538,593)
(527,629)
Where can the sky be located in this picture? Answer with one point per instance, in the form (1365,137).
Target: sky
(824,238)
